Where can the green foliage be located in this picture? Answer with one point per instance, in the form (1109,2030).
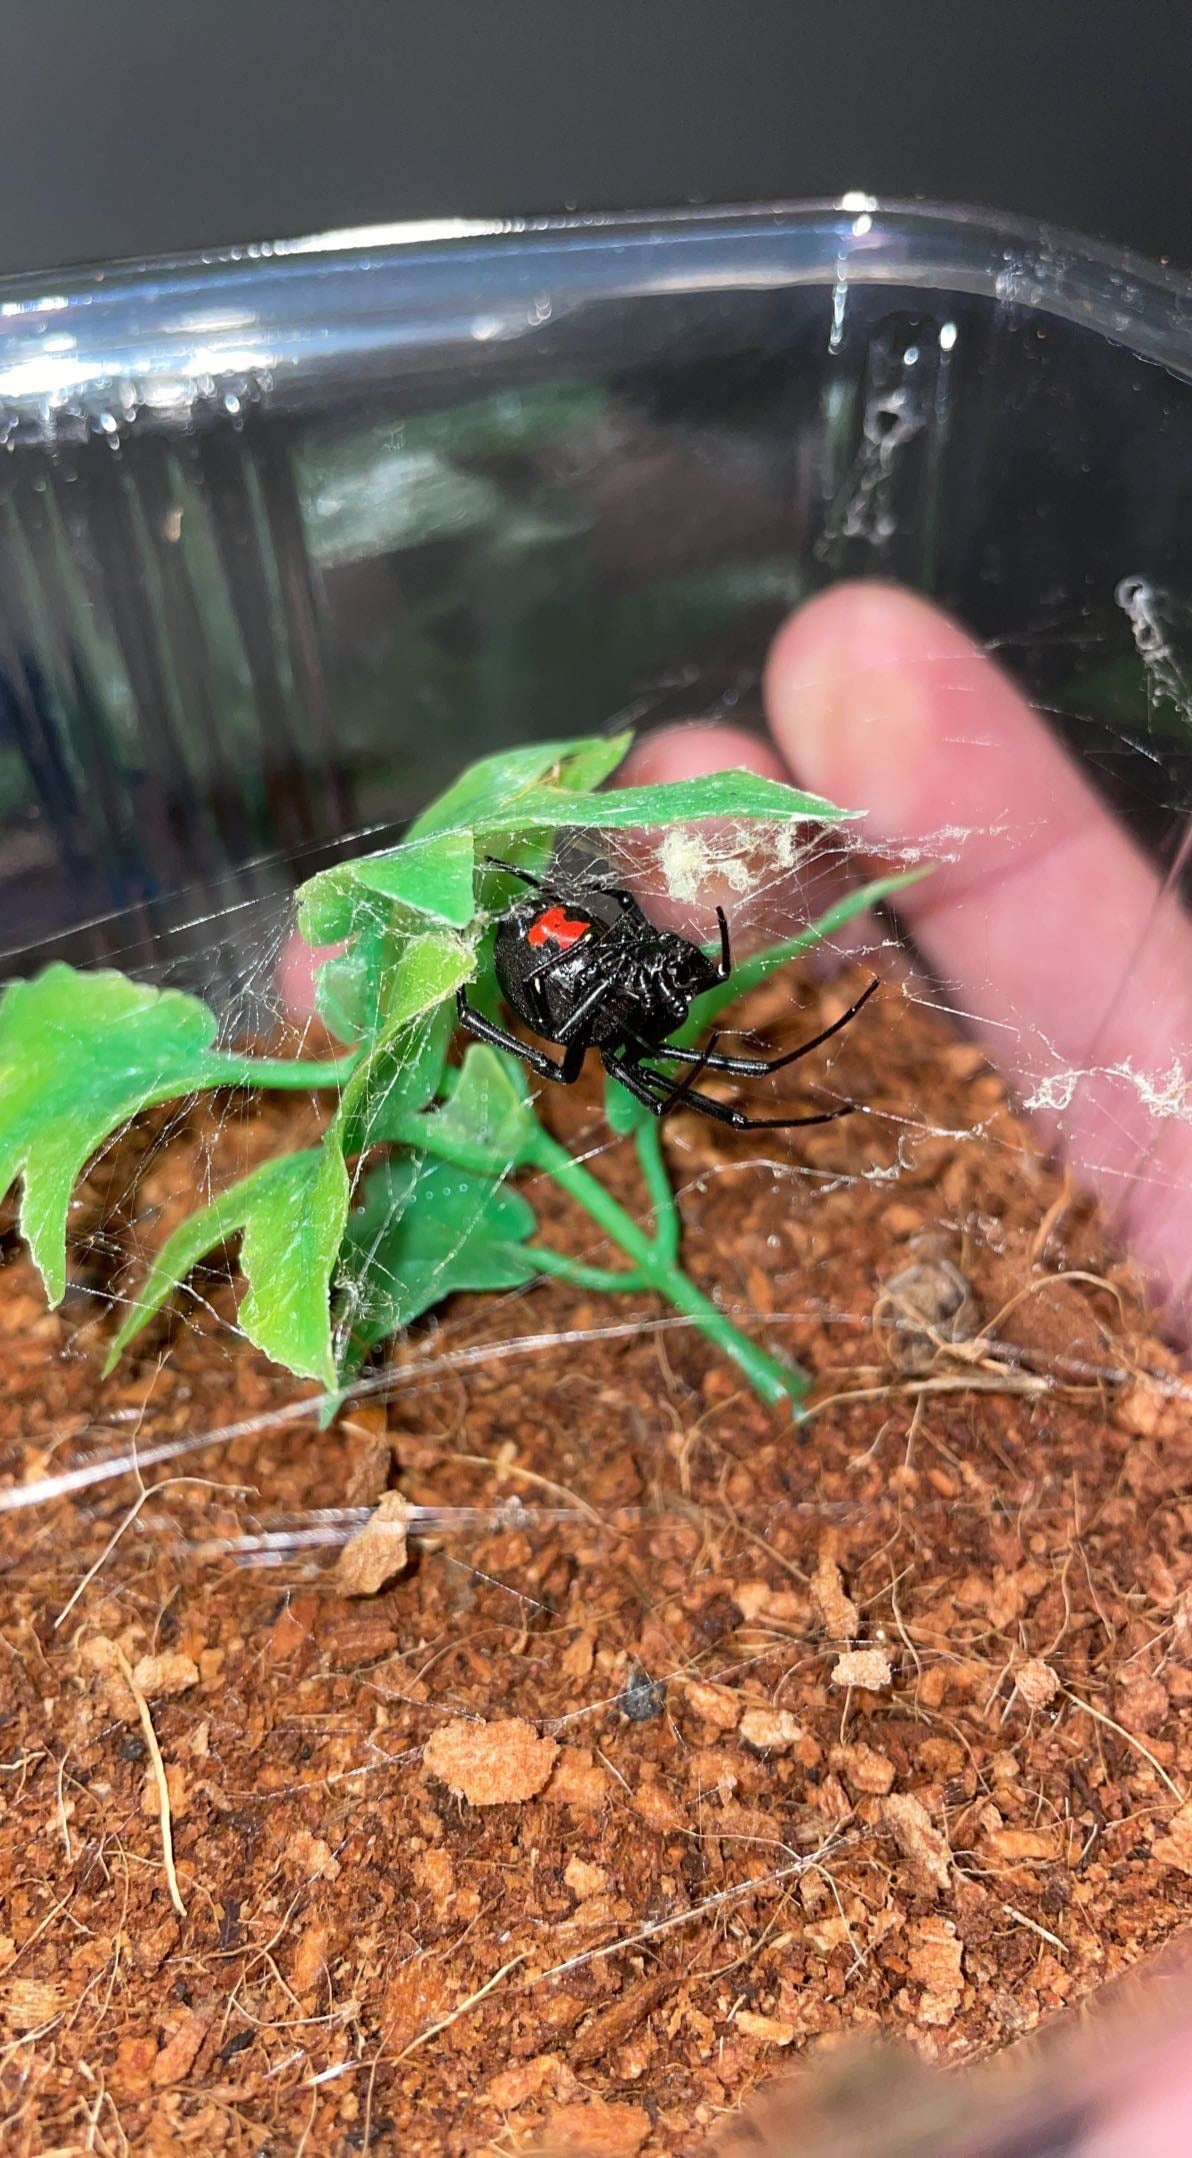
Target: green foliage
(291,1216)
(79,1055)
(423,1229)
(488,1123)
(429,1146)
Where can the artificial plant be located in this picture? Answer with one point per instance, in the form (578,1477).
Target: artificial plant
(407,1196)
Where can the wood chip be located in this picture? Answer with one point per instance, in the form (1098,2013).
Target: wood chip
(1143,1705)
(312,1855)
(1174,1848)
(310,1957)
(613,2025)
(584,1879)
(1139,1409)
(935,1960)
(103,1658)
(1016,1846)
(655,1806)
(598,2130)
(29,2003)
(178,2055)
(838,1613)
(414,2000)
(928,1303)
(578,1780)
(717,1705)
(1037,1683)
(1181,1627)
(577,1659)
(491,1764)
(864,1769)
(159,1676)
(513,2086)
(768,2030)
(917,1837)
(378,1553)
(868,1668)
(770,1730)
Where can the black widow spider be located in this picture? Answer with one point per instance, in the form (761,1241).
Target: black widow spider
(583,967)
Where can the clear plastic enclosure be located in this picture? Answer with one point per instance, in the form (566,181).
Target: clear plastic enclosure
(290,534)
(879,1718)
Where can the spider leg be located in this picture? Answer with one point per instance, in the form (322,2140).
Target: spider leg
(637,1079)
(825,1034)
(757,1067)
(726,953)
(681,1088)
(745,1067)
(609,978)
(633,1080)
(486,1030)
(524,876)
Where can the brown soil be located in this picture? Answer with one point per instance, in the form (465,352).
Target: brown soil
(881,1721)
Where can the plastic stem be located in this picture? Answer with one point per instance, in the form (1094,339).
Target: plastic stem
(656,1176)
(775,1382)
(604,1279)
(289,1072)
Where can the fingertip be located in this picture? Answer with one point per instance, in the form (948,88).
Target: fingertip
(297,968)
(700,746)
(857,685)
(690,752)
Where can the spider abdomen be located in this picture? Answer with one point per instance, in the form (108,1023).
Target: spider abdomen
(588,966)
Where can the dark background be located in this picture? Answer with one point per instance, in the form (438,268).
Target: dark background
(150,126)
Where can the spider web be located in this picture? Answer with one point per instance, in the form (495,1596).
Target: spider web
(772,882)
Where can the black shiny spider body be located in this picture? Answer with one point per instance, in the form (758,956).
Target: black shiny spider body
(588,966)
(584,968)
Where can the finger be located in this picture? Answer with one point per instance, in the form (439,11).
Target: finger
(761,905)
(297,968)
(1049,926)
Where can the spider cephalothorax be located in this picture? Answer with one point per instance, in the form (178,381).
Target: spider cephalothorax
(584,968)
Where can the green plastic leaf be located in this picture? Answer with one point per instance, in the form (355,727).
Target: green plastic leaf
(200,1234)
(388,1083)
(386,976)
(79,1055)
(350,985)
(488,796)
(430,969)
(400,1077)
(292,1214)
(431,876)
(489,1118)
(327,905)
(288,1254)
(681,801)
(425,1229)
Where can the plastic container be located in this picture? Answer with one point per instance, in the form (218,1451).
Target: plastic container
(286,534)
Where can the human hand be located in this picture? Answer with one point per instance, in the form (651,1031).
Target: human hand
(1053,936)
